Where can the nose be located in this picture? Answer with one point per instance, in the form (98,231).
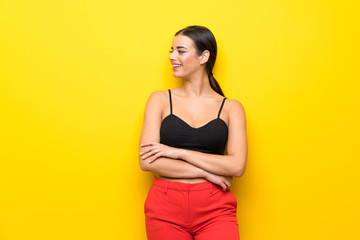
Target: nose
(172,56)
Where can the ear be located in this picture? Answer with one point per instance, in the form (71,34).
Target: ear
(204,57)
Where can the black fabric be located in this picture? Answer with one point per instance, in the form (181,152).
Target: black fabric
(209,138)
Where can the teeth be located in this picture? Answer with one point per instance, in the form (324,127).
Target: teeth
(176,65)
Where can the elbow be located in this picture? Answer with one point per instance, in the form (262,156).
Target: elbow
(238,168)
(238,171)
(144,166)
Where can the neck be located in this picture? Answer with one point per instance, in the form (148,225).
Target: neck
(198,85)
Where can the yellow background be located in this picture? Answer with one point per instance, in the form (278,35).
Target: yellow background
(74,80)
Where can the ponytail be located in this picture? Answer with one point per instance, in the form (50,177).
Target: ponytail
(215,85)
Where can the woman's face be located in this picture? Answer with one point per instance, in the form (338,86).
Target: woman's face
(183,57)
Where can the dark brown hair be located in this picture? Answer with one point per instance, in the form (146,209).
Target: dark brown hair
(204,40)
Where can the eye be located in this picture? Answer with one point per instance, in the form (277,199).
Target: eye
(180,52)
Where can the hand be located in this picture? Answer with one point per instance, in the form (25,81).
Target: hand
(222,181)
(153,150)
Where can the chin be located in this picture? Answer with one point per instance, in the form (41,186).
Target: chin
(177,75)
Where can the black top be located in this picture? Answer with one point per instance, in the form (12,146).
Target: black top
(210,138)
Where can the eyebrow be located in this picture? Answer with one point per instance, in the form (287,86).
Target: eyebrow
(179,47)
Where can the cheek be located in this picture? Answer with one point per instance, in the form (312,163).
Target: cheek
(188,60)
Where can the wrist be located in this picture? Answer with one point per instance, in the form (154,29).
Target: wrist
(204,174)
(181,154)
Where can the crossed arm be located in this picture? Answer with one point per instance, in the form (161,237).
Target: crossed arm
(226,165)
(181,163)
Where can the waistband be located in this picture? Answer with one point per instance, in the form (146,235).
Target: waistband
(180,186)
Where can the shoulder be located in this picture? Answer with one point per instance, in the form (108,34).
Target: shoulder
(234,105)
(156,101)
(235,108)
(157,96)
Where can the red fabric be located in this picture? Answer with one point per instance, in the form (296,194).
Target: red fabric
(182,211)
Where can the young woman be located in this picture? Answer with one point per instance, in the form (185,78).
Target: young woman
(185,133)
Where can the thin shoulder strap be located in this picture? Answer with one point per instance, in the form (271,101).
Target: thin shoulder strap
(222,104)
(170,101)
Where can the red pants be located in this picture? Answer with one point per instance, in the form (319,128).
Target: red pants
(183,211)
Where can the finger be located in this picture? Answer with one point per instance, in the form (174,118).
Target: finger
(147,147)
(224,187)
(151,153)
(145,156)
(228,183)
(157,153)
(150,149)
(227,186)
(155,157)
(147,144)
(146,150)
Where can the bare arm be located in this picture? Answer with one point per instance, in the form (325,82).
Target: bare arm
(174,168)
(169,167)
(180,169)
(151,132)
(232,164)
(166,166)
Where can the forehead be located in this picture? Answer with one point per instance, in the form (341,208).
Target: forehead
(181,40)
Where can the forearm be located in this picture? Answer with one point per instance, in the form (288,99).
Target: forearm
(173,168)
(226,165)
